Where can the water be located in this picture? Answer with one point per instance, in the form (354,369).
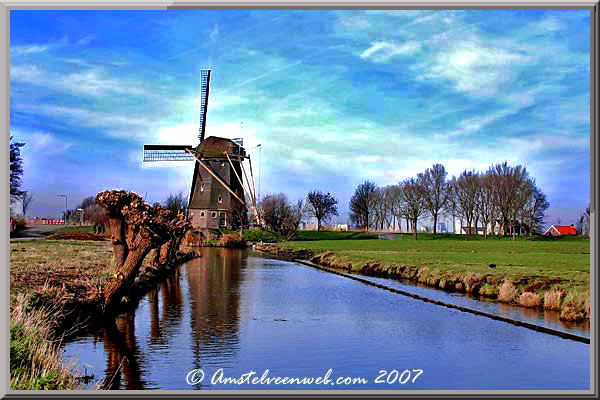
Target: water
(236,311)
(546,318)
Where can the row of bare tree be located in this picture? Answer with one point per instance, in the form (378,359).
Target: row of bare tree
(136,228)
(504,198)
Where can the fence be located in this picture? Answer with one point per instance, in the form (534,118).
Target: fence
(45,221)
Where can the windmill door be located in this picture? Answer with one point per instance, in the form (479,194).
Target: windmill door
(221,219)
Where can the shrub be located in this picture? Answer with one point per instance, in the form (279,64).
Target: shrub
(573,308)
(507,293)
(232,239)
(552,300)
(489,290)
(530,300)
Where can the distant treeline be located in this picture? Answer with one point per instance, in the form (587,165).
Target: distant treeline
(504,199)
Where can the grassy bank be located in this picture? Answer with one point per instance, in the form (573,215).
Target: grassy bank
(59,283)
(538,272)
(35,361)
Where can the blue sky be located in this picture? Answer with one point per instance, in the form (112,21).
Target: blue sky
(334,97)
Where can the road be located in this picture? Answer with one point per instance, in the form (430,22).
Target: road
(35,232)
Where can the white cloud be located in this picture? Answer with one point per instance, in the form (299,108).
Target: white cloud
(28,49)
(383,51)
(476,69)
(89,82)
(45,142)
(546,25)
(85,40)
(114,124)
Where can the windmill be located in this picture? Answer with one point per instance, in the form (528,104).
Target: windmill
(217,194)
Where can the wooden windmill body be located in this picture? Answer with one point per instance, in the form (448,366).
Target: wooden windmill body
(218,196)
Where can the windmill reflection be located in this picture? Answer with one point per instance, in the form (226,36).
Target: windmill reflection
(214,282)
(208,288)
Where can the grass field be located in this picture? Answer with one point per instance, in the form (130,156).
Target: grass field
(68,229)
(38,263)
(567,258)
(49,273)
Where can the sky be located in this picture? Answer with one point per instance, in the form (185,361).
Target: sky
(333,97)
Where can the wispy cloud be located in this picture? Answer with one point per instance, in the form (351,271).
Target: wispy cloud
(46,142)
(384,51)
(89,82)
(473,68)
(28,49)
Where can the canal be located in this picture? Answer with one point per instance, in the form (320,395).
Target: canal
(231,312)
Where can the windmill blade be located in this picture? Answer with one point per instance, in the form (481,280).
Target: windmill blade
(204,89)
(164,152)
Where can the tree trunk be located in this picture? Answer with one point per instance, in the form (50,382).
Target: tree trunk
(435,223)
(414,222)
(117,235)
(125,274)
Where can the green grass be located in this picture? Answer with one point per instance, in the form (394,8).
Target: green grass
(566,258)
(260,235)
(66,229)
(35,360)
(333,235)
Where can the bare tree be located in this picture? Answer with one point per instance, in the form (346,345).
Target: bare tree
(435,194)
(534,208)
(451,204)
(466,188)
(584,222)
(291,219)
(88,201)
(412,201)
(361,204)
(321,206)
(508,181)
(395,204)
(176,202)
(136,228)
(280,215)
(26,201)
(486,204)
(95,214)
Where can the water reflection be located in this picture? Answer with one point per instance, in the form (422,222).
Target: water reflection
(241,312)
(123,363)
(212,285)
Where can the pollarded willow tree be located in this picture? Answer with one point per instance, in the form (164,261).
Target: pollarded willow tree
(136,228)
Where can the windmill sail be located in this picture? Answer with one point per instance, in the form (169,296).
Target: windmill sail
(165,152)
(204,88)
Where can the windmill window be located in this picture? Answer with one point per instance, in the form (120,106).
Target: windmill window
(222,163)
(202,187)
(213,214)
(201,214)
(220,199)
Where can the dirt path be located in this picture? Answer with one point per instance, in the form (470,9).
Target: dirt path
(34,232)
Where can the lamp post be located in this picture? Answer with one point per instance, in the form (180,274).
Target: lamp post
(259,147)
(65,196)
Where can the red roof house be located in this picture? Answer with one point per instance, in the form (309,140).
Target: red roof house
(560,230)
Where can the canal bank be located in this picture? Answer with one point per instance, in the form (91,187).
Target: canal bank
(56,293)
(544,292)
(240,311)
